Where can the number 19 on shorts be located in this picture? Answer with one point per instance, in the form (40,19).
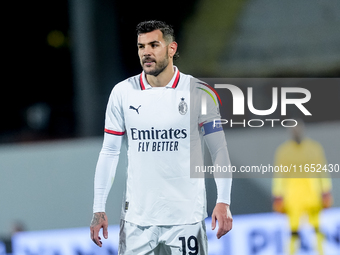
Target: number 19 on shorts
(191,243)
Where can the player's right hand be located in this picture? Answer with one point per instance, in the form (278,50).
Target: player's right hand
(99,221)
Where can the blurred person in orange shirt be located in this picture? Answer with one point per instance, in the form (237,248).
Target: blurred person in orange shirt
(305,193)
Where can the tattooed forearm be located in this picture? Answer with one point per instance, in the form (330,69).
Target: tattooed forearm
(98,218)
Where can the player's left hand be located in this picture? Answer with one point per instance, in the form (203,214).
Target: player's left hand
(327,200)
(223,215)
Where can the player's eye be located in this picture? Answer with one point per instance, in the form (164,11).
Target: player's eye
(140,46)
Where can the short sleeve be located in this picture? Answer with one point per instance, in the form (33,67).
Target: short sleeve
(114,116)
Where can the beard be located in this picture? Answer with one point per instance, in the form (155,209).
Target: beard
(159,65)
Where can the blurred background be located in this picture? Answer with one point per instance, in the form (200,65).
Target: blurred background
(62,58)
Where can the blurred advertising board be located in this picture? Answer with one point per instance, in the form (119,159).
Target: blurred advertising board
(254,234)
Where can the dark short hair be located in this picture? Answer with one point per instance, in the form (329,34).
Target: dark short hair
(152,25)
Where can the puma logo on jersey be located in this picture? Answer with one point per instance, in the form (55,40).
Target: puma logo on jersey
(133,108)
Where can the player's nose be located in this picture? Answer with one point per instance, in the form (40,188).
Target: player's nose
(146,54)
(147,51)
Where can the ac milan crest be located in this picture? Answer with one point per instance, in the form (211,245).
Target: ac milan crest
(182,107)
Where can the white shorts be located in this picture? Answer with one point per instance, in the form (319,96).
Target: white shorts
(154,240)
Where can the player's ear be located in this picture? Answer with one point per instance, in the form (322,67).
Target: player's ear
(172,49)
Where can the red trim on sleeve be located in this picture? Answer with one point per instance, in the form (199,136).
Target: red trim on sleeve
(113,132)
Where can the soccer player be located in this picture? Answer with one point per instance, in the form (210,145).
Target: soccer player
(164,209)
(302,196)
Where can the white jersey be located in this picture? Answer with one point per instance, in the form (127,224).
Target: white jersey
(156,121)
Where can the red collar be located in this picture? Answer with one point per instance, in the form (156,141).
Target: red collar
(174,84)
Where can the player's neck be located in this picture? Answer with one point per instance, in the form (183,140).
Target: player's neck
(163,78)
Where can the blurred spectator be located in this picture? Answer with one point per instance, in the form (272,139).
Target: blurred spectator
(297,197)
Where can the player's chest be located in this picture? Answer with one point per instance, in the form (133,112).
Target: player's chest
(157,107)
